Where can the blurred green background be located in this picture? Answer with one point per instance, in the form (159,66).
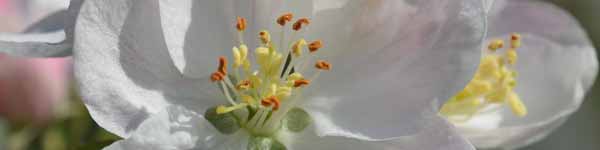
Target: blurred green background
(582,130)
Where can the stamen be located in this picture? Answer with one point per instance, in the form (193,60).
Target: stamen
(315,46)
(323,65)
(496,44)
(244,85)
(297,47)
(241,24)
(222,65)
(271,101)
(515,40)
(301,83)
(300,23)
(217,76)
(283,19)
(493,83)
(265,37)
(223,109)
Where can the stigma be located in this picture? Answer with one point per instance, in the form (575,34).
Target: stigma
(492,85)
(260,93)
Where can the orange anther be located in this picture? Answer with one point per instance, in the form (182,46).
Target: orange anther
(244,84)
(272,100)
(301,22)
(283,19)
(315,46)
(222,65)
(323,65)
(241,24)
(300,83)
(217,76)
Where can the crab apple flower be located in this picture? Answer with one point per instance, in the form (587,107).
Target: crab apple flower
(312,74)
(539,64)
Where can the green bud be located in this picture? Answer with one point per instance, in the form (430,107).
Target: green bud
(226,123)
(264,143)
(296,120)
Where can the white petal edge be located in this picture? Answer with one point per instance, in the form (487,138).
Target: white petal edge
(437,134)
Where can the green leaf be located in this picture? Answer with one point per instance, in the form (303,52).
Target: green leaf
(296,120)
(226,123)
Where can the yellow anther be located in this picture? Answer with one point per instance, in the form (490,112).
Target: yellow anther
(241,24)
(479,87)
(516,105)
(237,57)
(283,19)
(284,92)
(489,67)
(511,56)
(315,46)
(297,47)
(262,55)
(244,51)
(515,40)
(495,45)
(272,89)
(264,37)
(323,65)
(300,23)
(295,76)
(244,85)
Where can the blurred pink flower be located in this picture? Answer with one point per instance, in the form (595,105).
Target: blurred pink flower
(30,89)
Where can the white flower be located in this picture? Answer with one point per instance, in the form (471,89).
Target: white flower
(144,67)
(556,65)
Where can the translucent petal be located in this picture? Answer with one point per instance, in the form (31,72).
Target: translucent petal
(557,65)
(436,135)
(178,128)
(394,62)
(123,66)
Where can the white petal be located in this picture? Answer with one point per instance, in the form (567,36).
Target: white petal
(35,44)
(123,66)
(177,128)
(437,134)
(557,65)
(394,60)
(38,41)
(198,32)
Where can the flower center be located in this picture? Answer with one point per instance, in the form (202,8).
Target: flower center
(492,84)
(260,97)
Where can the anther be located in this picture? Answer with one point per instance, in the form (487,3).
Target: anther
(265,37)
(300,23)
(496,44)
(297,47)
(217,76)
(283,19)
(241,24)
(271,101)
(315,46)
(244,85)
(323,65)
(222,65)
(301,83)
(515,40)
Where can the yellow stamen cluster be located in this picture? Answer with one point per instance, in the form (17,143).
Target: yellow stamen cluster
(493,83)
(271,88)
